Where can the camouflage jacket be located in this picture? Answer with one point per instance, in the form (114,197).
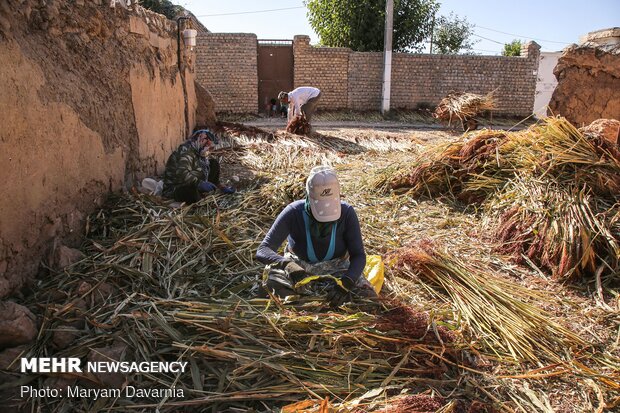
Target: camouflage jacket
(185,166)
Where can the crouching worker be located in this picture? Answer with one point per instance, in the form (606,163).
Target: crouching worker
(189,173)
(301,101)
(324,238)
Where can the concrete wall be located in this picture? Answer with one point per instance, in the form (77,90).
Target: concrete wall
(226,65)
(545,82)
(92,100)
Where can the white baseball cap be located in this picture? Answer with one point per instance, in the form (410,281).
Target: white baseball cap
(323,191)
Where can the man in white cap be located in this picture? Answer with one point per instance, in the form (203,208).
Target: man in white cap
(324,237)
(301,101)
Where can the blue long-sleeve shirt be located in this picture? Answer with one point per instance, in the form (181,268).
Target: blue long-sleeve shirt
(290,224)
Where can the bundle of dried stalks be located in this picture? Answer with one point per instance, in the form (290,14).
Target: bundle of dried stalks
(503,320)
(469,169)
(496,311)
(482,163)
(299,125)
(463,106)
(562,229)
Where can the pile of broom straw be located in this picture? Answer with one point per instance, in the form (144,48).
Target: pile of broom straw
(179,284)
(170,284)
(552,190)
(463,106)
(299,125)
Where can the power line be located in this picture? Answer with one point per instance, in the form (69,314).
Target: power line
(486,38)
(488,51)
(250,12)
(518,35)
(495,41)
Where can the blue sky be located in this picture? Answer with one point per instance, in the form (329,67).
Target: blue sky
(553,23)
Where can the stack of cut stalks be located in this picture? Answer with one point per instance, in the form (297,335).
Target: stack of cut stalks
(552,190)
(177,284)
(463,106)
(299,125)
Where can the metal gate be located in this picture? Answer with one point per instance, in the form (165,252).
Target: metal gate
(275,71)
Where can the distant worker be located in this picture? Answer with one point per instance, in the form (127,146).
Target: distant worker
(324,237)
(189,174)
(301,101)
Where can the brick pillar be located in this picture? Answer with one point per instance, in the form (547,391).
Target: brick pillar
(530,50)
(301,52)
(301,41)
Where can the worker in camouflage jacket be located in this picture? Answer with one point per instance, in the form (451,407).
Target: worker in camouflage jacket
(189,174)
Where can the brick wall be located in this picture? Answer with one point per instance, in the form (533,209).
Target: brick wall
(365,80)
(427,79)
(226,67)
(416,78)
(323,67)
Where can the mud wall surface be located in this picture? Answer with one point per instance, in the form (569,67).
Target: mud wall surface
(588,84)
(92,101)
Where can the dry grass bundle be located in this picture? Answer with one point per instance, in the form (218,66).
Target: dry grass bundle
(556,150)
(480,165)
(241,130)
(504,321)
(277,193)
(299,125)
(497,311)
(463,106)
(563,230)
(179,249)
(277,157)
(466,169)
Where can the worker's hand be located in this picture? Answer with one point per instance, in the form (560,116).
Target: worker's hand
(206,186)
(227,189)
(338,295)
(295,271)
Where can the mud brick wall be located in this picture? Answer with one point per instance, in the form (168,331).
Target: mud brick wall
(226,65)
(326,68)
(588,82)
(91,101)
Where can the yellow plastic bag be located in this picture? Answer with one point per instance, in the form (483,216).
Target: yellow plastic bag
(374,271)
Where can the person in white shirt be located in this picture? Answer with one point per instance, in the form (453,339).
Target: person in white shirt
(301,101)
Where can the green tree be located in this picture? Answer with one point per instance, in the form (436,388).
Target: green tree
(513,48)
(164,7)
(453,34)
(360,25)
